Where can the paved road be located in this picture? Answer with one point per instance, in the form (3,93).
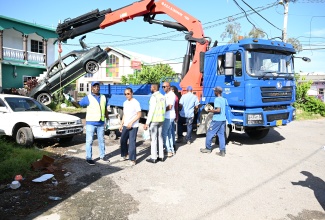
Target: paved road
(279,177)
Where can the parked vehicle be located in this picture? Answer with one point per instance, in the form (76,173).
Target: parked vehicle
(66,70)
(25,119)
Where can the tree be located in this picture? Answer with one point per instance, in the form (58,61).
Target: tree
(149,74)
(232,31)
(256,33)
(295,43)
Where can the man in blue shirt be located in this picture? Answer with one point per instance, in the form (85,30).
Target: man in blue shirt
(95,120)
(218,123)
(187,105)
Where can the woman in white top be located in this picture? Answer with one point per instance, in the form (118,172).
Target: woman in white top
(129,127)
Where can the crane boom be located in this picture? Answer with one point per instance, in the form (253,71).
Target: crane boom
(191,75)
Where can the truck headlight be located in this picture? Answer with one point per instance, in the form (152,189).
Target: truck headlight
(254,119)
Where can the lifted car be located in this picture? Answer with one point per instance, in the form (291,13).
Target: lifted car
(25,119)
(66,70)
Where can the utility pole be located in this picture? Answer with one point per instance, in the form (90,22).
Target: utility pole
(285,4)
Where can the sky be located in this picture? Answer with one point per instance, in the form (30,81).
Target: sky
(306,20)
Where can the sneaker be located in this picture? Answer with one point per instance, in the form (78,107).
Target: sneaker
(189,142)
(131,163)
(90,162)
(123,159)
(222,153)
(205,150)
(104,159)
(170,154)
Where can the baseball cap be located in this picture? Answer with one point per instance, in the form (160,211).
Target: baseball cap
(94,83)
(218,89)
(189,88)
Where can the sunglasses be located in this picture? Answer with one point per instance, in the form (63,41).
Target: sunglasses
(127,93)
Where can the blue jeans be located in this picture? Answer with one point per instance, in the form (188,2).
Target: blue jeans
(216,127)
(167,134)
(189,126)
(90,130)
(131,135)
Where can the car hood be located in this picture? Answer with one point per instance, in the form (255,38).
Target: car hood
(46,116)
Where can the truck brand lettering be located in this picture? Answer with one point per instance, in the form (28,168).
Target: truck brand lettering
(171,8)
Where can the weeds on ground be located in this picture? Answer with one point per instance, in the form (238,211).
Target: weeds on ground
(15,159)
(303,115)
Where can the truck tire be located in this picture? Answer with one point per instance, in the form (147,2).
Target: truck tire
(25,136)
(257,134)
(91,66)
(65,140)
(44,98)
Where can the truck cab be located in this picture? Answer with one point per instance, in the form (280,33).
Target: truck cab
(257,77)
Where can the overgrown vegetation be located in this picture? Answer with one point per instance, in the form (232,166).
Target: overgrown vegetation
(16,160)
(307,103)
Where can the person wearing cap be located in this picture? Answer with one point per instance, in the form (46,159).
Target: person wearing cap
(95,121)
(218,123)
(188,104)
(170,115)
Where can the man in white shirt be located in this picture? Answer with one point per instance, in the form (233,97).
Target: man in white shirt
(170,116)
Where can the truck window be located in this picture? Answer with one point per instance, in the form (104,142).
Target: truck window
(221,65)
(238,65)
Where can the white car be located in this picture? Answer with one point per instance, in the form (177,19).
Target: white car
(26,119)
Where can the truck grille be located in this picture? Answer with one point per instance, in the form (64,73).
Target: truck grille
(272,94)
(277,117)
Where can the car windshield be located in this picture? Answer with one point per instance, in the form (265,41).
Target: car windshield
(19,104)
(269,64)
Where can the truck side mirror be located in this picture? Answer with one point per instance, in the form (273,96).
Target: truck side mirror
(229,64)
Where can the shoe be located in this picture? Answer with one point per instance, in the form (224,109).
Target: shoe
(222,153)
(123,159)
(104,159)
(160,159)
(179,140)
(170,154)
(150,160)
(205,150)
(90,162)
(131,163)
(188,142)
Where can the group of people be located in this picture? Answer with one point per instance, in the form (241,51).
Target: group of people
(165,112)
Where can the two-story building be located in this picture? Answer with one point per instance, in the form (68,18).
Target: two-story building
(26,49)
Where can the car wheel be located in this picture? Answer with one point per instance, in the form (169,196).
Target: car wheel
(44,98)
(112,135)
(91,66)
(25,136)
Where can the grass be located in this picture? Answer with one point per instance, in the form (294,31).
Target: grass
(302,115)
(15,160)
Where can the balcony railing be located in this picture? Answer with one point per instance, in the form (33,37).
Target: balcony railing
(16,54)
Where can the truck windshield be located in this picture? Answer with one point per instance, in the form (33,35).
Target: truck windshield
(266,64)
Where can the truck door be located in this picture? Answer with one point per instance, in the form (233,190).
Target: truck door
(238,83)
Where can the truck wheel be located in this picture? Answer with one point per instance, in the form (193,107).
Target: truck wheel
(91,67)
(257,134)
(44,98)
(65,140)
(24,136)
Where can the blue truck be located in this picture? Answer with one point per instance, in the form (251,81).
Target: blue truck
(257,77)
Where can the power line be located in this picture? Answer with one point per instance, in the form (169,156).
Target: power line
(261,16)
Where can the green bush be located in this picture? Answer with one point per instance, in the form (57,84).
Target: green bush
(17,160)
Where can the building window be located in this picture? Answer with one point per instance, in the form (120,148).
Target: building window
(36,46)
(81,87)
(87,87)
(112,66)
(321,91)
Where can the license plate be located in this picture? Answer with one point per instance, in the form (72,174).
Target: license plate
(278,122)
